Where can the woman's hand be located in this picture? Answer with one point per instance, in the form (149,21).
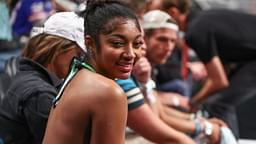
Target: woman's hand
(142,70)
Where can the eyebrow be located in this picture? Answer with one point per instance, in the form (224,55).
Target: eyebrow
(118,35)
(140,35)
(123,37)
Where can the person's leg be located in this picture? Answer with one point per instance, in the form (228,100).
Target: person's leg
(224,111)
(177,85)
(247,118)
(246,105)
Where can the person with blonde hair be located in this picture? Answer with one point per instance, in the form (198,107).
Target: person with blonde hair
(44,63)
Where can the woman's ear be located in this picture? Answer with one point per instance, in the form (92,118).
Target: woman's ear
(91,47)
(90,44)
(89,41)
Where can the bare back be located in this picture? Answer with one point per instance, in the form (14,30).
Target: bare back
(91,105)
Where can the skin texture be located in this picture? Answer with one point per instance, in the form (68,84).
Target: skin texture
(100,101)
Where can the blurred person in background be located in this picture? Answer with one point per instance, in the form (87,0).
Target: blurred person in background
(160,43)
(44,63)
(29,13)
(183,72)
(8,45)
(139,7)
(224,42)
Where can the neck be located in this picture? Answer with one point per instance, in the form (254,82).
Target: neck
(50,68)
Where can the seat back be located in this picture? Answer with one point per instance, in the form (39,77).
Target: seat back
(11,66)
(10,70)
(5,81)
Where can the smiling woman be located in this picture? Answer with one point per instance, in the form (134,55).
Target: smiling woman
(91,107)
(121,47)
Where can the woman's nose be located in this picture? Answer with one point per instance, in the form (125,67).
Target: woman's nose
(129,53)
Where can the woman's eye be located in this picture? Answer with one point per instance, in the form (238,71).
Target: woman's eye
(137,45)
(117,44)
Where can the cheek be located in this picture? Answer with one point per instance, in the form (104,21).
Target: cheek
(156,48)
(173,46)
(143,52)
(61,67)
(111,54)
(108,57)
(150,46)
(155,44)
(66,63)
(138,54)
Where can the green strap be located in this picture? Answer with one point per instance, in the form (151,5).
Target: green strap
(74,68)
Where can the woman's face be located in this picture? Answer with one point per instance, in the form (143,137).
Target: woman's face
(119,50)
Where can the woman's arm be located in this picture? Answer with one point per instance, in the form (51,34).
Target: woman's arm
(174,112)
(150,126)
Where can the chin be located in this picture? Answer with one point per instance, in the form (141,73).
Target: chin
(162,61)
(123,75)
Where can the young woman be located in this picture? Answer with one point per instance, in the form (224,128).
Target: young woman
(91,107)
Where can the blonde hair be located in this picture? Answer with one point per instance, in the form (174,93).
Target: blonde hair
(44,48)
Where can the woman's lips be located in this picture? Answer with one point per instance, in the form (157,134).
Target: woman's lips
(125,67)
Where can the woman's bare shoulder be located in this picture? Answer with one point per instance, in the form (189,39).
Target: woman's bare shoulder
(91,92)
(97,85)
